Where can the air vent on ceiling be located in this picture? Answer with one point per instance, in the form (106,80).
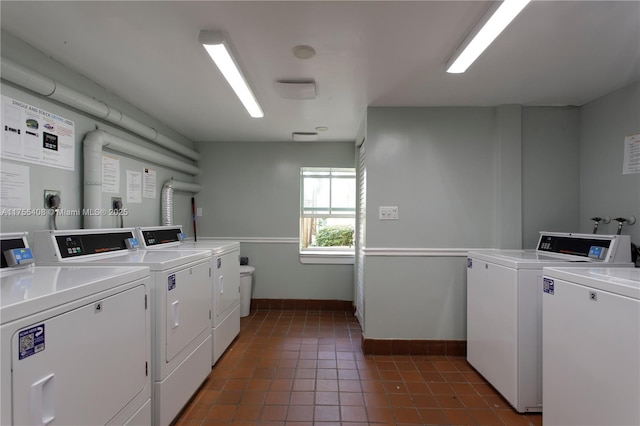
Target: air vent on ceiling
(305,136)
(296,89)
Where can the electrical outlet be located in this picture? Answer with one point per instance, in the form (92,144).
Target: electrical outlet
(49,200)
(388,213)
(116,203)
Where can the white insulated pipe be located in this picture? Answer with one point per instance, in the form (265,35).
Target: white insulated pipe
(24,77)
(167,197)
(92,189)
(93,144)
(124,146)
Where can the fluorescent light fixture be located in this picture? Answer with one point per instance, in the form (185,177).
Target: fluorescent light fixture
(218,49)
(488,29)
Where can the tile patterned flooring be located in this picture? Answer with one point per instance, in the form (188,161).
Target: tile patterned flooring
(307,368)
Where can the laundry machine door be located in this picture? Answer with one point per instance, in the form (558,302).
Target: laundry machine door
(492,323)
(228,285)
(82,366)
(591,348)
(188,305)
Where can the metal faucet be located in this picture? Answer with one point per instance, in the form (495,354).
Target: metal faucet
(596,221)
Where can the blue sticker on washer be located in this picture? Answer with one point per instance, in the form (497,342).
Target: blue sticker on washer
(172,281)
(469,262)
(31,341)
(547,285)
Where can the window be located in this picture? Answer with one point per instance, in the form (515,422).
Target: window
(327,214)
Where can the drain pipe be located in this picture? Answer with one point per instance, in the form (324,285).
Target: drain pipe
(24,77)
(167,197)
(93,144)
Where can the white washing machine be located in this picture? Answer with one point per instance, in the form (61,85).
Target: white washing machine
(225,321)
(180,305)
(74,342)
(504,305)
(591,346)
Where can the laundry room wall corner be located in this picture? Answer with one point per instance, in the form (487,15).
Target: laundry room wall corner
(251,194)
(140,211)
(604,189)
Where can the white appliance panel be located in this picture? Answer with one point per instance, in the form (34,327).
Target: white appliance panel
(224,333)
(142,417)
(106,370)
(30,290)
(591,348)
(512,360)
(226,299)
(187,310)
(174,390)
(225,282)
(159,260)
(180,354)
(492,323)
(227,278)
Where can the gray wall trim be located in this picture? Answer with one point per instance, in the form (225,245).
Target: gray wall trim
(418,251)
(266,240)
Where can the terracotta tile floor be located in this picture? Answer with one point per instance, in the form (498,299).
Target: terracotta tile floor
(307,368)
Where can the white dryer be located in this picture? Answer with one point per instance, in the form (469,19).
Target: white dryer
(591,346)
(74,342)
(225,321)
(180,305)
(504,307)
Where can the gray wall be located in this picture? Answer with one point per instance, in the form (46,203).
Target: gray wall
(455,175)
(70,183)
(252,194)
(462,178)
(604,190)
(437,166)
(550,171)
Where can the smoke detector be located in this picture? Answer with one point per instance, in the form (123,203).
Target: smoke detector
(303,51)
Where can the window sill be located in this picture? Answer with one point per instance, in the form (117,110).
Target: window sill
(333,258)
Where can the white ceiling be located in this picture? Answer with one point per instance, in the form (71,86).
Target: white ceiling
(369,53)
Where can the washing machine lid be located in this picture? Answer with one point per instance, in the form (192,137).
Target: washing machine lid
(524,259)
(156,260)
(218,247)
(622,281)
(26,291)
(555,248)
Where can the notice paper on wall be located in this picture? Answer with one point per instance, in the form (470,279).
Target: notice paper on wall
(110,174)
(33,135)
(149,183)
(631,154)
(14,186)
(134,187)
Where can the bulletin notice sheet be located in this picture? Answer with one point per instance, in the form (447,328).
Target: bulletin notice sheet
(631,154)
(33,135)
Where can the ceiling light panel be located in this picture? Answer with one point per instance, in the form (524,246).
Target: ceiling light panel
(217,47)
(497,18)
